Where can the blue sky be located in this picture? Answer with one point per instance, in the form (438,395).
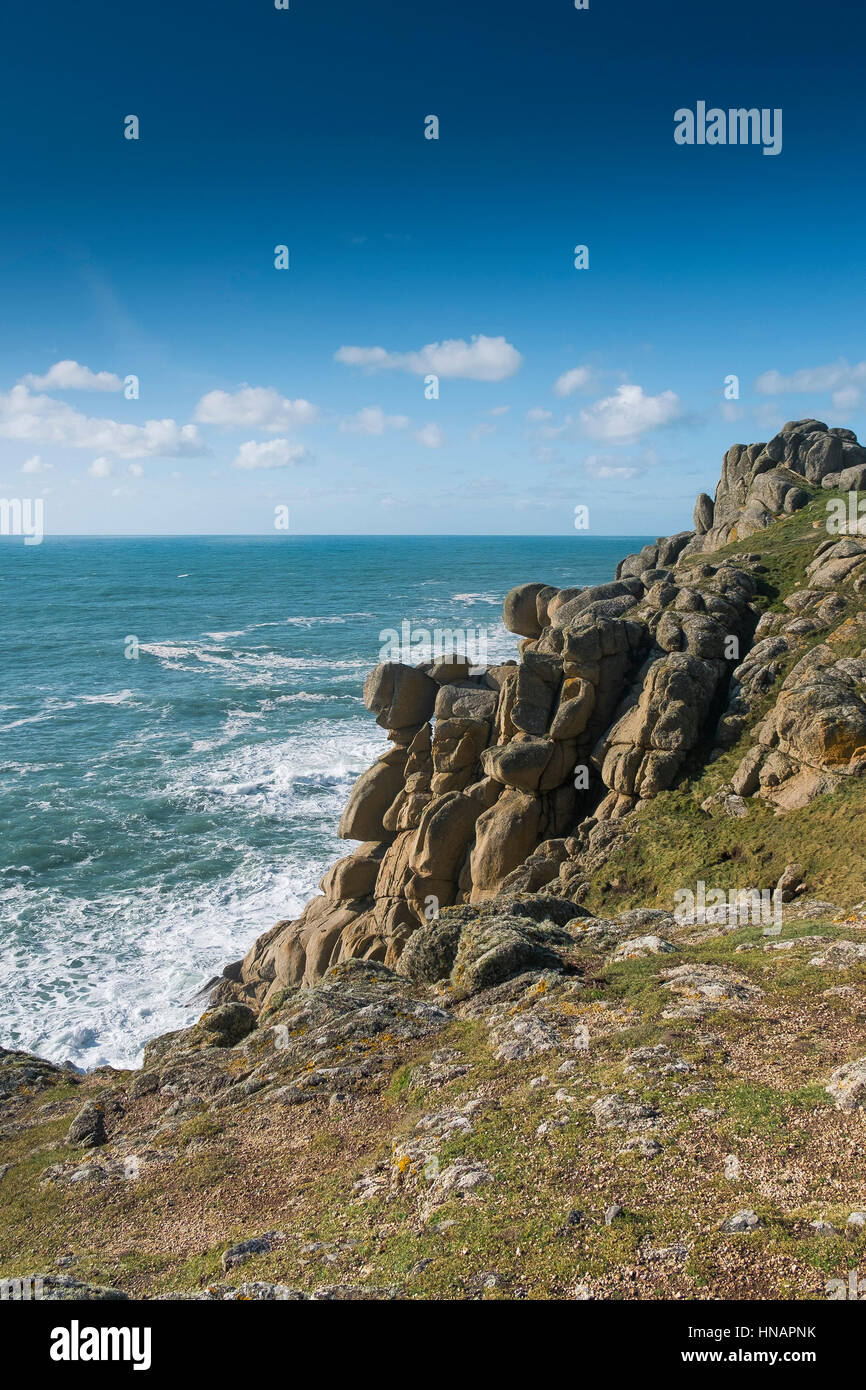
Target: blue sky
(305,128)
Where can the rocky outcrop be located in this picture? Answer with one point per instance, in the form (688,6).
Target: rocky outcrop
(758,484)
(611,695)
(761,482)
(524,777)
(815,732)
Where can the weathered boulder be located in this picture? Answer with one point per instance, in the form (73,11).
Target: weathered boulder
(379,935)
(819,719)
(21,1073)
(847,1085)
(520,763)
(602,600)
(88,1128)
(400,696)
(228,1023)
(444,833)
(837,561)
(430,951)
(355,876)
(520,609)
(575,708)
(790,883)
(561,597)
(703,517)
(495,948)
(464,701)
(639,946)
(369,799)
(745,780)
(644,750)
(504,836)
(448,669)
(246,1249)
(305,948)
(533,698)
(539,868)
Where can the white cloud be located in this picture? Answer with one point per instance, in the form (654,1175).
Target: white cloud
(537,413)
(100,468)
(578,379)
(72,376)
(135,470)
(832,377)
(277,453)
(373,420)
(254,407)
(43,420)
(605,467)
(430,436)
(625,416)
(36,465)
(483,359)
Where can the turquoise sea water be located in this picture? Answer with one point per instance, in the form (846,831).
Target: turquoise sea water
(157,813)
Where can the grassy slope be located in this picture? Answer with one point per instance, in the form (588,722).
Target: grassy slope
(756,1092)
(678,844)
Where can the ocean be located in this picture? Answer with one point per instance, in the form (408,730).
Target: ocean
(180,723)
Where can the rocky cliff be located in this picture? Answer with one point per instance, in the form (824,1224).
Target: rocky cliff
(518,779)
(489,1061)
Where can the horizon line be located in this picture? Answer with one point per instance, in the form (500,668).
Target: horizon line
(332,535)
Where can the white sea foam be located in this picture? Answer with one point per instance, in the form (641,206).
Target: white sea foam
(28,719)
(247,666)
(338,620)
(304,697)
(53,706)
(118,698)
(126,964)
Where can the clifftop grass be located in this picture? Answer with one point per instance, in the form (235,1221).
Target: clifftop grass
(742,1121)
(678,844)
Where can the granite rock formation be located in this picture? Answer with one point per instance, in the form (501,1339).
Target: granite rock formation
(521,779)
